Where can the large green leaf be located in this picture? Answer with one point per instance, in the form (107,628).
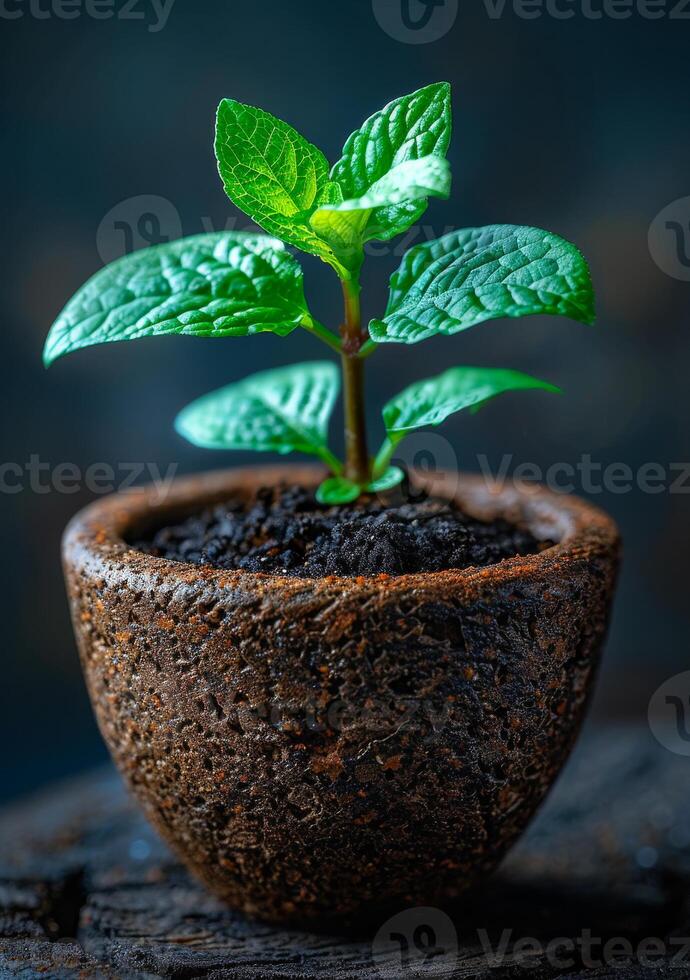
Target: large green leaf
(280,411)
(409,128)
(228,284)
(478,274)
(428,403)
(273,174)
(349,224)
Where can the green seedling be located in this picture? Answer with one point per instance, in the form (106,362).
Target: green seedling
(232,284)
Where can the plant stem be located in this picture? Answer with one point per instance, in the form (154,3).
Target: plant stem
(367,348)
(383,457)
(357,466)
(323,333)
(334,464)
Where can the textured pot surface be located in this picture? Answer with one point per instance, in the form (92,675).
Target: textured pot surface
(315,747)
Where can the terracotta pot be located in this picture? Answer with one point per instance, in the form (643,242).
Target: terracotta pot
(315,747)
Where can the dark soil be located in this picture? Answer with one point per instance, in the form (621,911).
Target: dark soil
(285,531)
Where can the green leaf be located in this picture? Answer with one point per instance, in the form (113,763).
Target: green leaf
(428,403)
(337,490)
(216,285)
(391,478)
(342,231)
(408,181)
(284,410)
(349,224)
(479,274)
(409,128)
(274,175)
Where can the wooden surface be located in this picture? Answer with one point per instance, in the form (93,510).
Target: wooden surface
(87,891)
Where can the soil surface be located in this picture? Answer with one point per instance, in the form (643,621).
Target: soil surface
(283,530)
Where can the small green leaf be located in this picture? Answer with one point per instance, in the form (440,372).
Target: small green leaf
(479,274)
(428,403)
(342,231)
(337,490)
(280,411)
(409,128)
(348,225)
(391,478)
(216,285)
(406,182)
(274,175)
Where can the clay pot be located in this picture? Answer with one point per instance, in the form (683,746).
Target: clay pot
(315,748)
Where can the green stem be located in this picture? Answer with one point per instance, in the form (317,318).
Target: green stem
(384,455)
(331,461)
(323,333)
(367,348)
(356,454)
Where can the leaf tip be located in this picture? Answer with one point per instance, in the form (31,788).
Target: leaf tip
(182,426)
(377,331)
(440,86)
(51,349)
(47,357)
(226,104)
(445,89)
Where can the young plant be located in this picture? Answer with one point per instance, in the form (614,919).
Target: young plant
(231,284)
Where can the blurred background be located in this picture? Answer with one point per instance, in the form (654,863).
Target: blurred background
(578,124)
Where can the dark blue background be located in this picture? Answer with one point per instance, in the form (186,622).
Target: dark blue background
(578,125)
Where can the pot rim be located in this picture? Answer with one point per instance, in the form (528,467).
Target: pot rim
(95,537)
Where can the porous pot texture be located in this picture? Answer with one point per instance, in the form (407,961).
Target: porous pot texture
(318,748)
